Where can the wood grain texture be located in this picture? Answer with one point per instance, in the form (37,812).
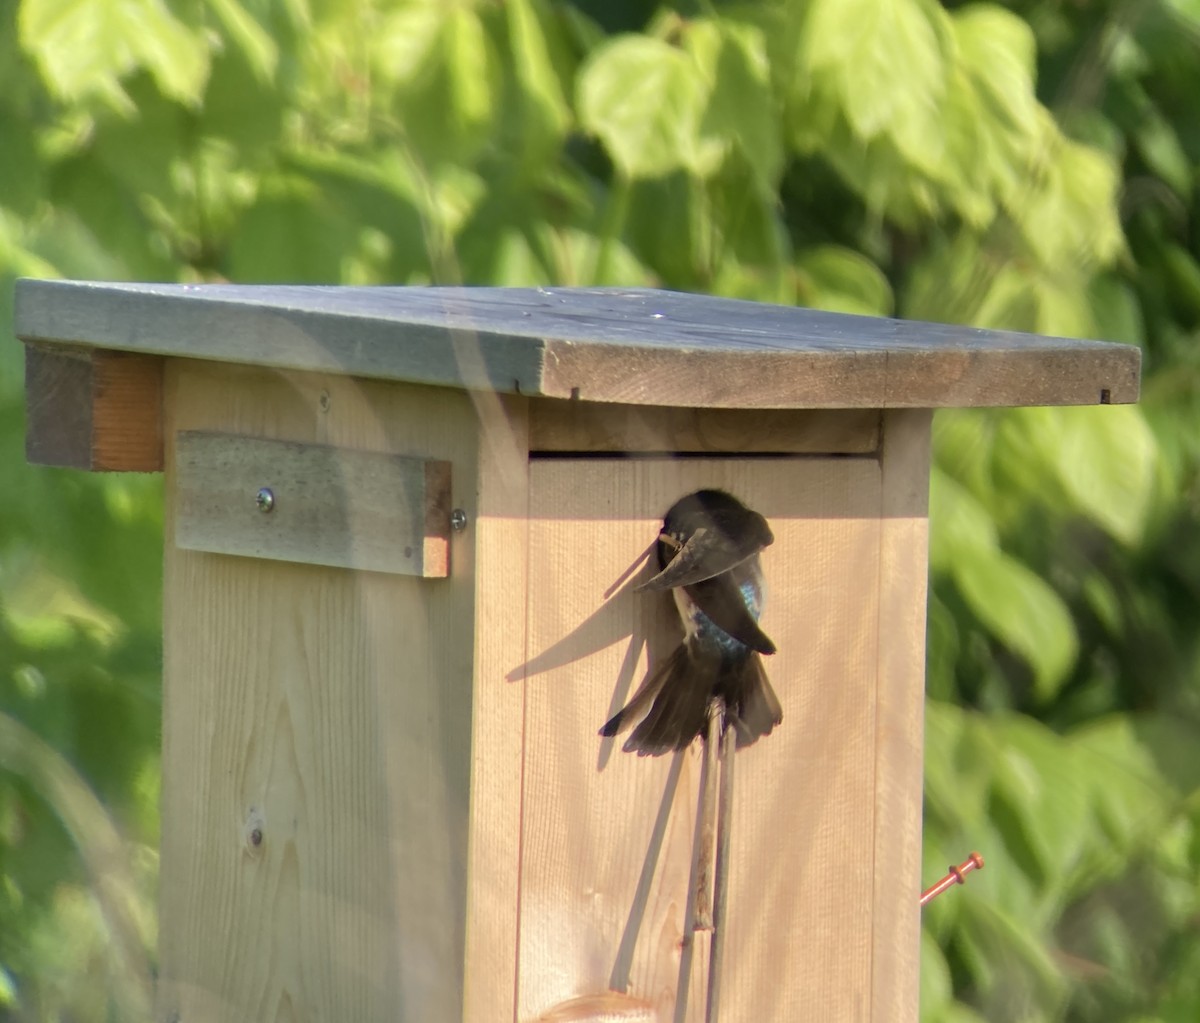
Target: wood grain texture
(632,346)
(606,836)
(556,426)
(316,739)
(500,556)
(900,714)
(93,409)
(331,506)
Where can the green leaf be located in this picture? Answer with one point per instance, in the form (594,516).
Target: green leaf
(449,101)
(963,441)
(289,236)
(842,280)
(1010,962)
(469,59)
(960,528)
(1183,273)
(1047,792)
(943,648)
(1102,598)
(377,191)
(741,109)
(405,39)
(1116,313)
(1160,148)
(1070,215)
(672,228)
(44,610)
(1023,613)
(574,253)
(258,48)
(644,100)
(1000,51)
(960,763)
(1106,459)
(885,61)
(21,184)
(1131,798)
(936,988)
(85,47)
(994,105)
(16,257)
(545,114)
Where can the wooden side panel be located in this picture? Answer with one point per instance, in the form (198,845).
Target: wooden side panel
(501,556)
(328,505)
(94,410)
(316,739)
(903,576)
(606,840)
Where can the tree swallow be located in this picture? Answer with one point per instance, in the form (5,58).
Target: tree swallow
(708,557)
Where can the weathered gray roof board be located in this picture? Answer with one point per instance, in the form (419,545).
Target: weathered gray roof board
(636,346)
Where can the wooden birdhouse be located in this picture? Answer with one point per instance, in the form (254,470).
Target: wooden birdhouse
(404,531)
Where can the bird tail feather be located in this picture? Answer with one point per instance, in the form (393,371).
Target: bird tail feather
(681,688)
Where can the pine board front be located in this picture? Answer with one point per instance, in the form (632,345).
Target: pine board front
(605,840)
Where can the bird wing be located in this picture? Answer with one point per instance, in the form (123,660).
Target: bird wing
(722,602)
(707,553)
(759,709)
(648,690)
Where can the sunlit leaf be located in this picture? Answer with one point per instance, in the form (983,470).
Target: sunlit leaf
(405,38)
(1186,9)
(1103,600)
(290,236)
(1162,151)
(1046,791)
(936,989)
(44,610)
(885,60)
(85,47)
(1071,216)
(113,900)
(1023,612)
(1116,311)
(733,60)
(960,528)
(844,281)
(1011,963)
(20,184)
(644,99)
(1106,462)
(996,109)
(545,112)
(961,761)
(1131,797)
(259,49)
(963,441)
(448,101)
(1183,272)
(1026,461)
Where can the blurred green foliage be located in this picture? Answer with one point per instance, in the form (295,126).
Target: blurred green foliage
(1030,165)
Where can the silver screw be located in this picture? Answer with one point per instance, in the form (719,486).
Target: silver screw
(265,500)
(458,520)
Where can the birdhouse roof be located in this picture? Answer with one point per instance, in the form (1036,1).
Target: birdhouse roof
(626,345)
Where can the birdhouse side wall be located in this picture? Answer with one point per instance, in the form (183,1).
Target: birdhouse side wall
(316,735)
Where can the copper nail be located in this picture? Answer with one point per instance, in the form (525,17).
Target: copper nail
(957,875)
